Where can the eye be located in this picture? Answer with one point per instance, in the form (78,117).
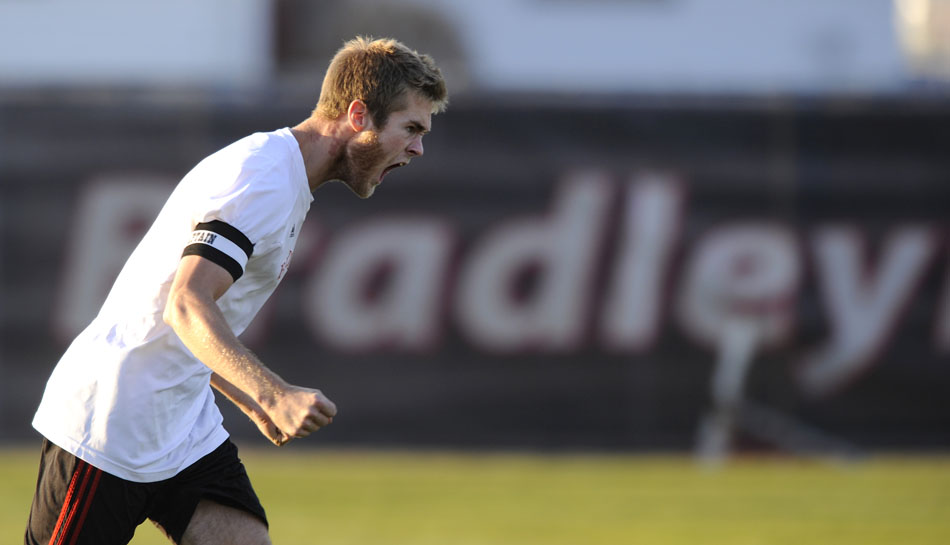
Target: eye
(415,129)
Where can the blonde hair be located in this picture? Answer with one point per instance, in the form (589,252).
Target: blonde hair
(380,73)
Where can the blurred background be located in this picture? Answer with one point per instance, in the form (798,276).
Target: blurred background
(691,226)
(648,238)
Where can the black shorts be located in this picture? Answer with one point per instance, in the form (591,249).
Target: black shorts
(77,504)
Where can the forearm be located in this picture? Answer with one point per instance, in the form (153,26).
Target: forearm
(201,326)
(237,396)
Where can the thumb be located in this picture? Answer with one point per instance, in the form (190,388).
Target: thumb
(274,435)
(270,430)
(279,438)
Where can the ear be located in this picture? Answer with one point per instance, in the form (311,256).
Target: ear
(358,116)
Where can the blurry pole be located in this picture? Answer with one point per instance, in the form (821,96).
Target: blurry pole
(741,336)
(737,297)
(745,329)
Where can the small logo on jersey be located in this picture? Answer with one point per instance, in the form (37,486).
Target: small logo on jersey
(292,230)
(206,237)
(285,265)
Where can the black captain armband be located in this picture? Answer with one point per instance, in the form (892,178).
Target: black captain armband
(222,244)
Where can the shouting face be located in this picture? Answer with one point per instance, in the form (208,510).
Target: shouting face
(373,152)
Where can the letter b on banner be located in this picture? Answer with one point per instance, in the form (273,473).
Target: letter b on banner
(113,214)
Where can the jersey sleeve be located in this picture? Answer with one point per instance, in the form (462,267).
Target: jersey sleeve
(240,219)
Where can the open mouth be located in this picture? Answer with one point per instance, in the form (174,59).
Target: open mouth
(389,169)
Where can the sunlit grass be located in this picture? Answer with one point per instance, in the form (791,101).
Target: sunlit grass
(425,498)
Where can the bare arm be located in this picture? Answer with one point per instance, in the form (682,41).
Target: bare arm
(193,313)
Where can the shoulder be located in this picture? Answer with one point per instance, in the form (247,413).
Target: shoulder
(256,167)
(247,185)
(260,154)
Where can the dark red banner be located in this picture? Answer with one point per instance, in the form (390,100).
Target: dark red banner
(626,274)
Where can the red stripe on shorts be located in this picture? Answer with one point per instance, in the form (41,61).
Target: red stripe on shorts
(72,501)
(86,504)
(69,496)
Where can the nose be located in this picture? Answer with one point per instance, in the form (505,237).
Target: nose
(415,147)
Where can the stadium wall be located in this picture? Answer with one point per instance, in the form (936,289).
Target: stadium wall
(555,273)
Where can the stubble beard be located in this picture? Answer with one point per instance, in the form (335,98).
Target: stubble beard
(362,164)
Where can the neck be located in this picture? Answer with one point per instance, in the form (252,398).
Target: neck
(322,144)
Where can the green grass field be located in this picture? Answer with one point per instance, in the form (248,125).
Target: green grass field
(422,498)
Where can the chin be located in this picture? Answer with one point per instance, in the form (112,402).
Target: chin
(363,191)
(367,193)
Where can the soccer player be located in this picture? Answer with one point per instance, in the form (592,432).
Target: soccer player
(131,430)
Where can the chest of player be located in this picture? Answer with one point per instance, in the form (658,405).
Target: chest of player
(271,258)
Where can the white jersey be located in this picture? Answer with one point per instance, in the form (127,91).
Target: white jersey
(127,396)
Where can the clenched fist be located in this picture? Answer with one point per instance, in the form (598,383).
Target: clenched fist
(297,412)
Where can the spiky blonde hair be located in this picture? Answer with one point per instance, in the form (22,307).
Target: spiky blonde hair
(379,72)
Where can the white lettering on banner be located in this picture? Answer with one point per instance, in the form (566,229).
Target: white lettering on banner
(942,332)
(734,270)
(632,307)
(563,249)
(412,255)
(863,306)
(740,270)
(113,214)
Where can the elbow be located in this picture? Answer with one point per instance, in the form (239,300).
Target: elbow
(175,311)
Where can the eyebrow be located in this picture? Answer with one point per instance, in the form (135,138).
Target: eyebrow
(419,127)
